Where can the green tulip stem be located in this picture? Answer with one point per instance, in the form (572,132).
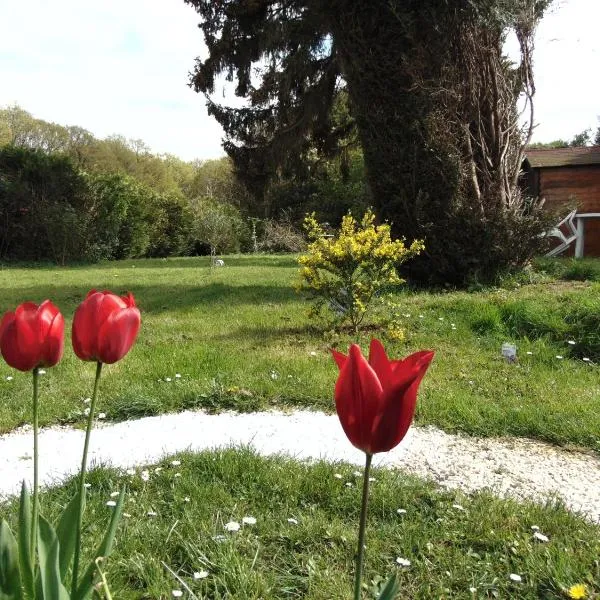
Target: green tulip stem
(360,556)
(36,501)
(81,491)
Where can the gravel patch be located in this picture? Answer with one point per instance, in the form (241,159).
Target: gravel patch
(510,467)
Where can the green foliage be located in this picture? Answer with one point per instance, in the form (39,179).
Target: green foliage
(44,206)
(51,210)
(344,272)
(219,226)
(48,578)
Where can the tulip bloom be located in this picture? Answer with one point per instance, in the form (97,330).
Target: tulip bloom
(105,327)
(376,399)
(32,336)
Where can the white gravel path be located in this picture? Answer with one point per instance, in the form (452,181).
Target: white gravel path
(508,467)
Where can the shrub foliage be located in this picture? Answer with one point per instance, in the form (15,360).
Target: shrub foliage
(344,272)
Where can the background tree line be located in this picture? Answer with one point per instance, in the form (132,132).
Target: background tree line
(68,196)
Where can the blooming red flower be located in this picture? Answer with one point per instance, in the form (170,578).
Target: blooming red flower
(32,336)
(105,327)
(376,399)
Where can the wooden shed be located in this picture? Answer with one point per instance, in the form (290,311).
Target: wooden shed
(569,178)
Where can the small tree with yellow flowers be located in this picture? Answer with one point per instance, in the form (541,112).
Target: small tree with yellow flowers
(344,272)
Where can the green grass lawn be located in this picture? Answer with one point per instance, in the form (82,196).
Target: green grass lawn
(304,539)
(240,338)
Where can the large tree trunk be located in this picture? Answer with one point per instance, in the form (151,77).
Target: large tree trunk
(435,106)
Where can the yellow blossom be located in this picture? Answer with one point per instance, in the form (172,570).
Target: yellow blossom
(577,591)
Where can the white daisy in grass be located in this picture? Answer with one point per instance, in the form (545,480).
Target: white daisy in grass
(168,379)
(86,411)
(560,357)
(41,371)
(401,511)
(232,526)
(175,463)
(87,485)
(177,593)
(348,484)
(186,499)
(516,578)
(421,316)
(312,353)
(177,375)
(9,378)
(292,521)
(177,475)
(111,503)
(114,494)
(571,342)
(403,562)
(337,475)
(151,513)
(201,575)
(458,507)
(529,352)
(102,415)
(356,473)
(586,359)
(540,537)
(130,471)
(249,521)
(158,469)
(535,527)
(127,515)
(372,479)
(440,318)
(473,590)
(87,400)
(145,475)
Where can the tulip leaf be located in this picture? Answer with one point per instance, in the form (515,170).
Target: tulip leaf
(10,577)
(24,534)
(49,575)
(66,532)
(104,549)
(391,589)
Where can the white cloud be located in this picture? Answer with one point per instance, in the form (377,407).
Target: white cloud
(566,58)
(111,67)
(122,67)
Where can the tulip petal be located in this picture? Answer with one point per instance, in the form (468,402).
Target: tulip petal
(11,344)
(357,398)
(55,341)
(339,358)
(399,402)
(83,332)
(28,334)
(380,362)
(117,334)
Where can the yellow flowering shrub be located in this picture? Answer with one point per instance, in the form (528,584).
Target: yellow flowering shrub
(344,272)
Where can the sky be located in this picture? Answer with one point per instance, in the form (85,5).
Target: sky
(121,67)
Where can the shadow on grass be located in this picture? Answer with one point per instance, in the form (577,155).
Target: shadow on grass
(157,298)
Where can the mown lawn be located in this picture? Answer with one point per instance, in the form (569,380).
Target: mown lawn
(240,338)
(303,540)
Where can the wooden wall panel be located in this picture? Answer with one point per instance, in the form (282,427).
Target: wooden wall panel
(580,185)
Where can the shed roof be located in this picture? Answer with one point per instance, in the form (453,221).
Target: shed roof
(563,157)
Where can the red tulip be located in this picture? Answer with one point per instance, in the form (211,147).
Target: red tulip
(105,327)
(376,400)
(32,336)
